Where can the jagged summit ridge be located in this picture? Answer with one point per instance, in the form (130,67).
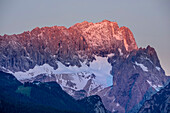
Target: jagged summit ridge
(48,44)
(91,31)
(99,34)
(104,33)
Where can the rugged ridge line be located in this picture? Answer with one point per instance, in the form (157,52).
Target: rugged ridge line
(57,43)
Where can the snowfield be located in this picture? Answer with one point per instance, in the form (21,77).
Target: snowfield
(99,67)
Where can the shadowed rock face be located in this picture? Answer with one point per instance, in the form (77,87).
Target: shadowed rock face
(43,97)
(159,102)
(93,104)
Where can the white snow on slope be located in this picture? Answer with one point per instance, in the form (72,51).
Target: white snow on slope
(110,55)
(156,87)
(144,68)
(100,67)
(120,51)
(78,79)
(117,104)
(158,68)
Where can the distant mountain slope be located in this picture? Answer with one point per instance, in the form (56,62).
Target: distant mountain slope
(159,102)
(40,97)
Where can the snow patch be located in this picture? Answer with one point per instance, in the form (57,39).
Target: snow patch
(149,60)
(127,56)
(120,51)
(144,68)
(156,87)
(158,68)
(37,70)
(110,55)
(113,110)
(117,104)
(78,80)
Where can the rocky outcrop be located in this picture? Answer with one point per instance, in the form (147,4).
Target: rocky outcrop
(159,102)
(93,104)
(136,78)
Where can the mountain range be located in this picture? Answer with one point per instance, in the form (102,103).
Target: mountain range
(86,59)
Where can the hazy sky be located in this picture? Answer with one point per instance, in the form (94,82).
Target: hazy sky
(149,20)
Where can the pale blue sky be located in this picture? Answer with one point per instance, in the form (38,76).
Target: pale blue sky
(149,20)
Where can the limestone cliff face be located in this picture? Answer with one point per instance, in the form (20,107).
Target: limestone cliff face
(50,44)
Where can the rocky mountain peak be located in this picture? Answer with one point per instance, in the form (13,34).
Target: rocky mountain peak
(151,54)
(105,33)
(128,38)
(101,35)
(150,50)
(106,20)
(86,59)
